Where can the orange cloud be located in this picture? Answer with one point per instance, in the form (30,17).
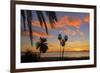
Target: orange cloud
(63,21)
(70,21)
(72,32)
(76,22)
(37,24)
(41,34)
(37,34)
(86,19)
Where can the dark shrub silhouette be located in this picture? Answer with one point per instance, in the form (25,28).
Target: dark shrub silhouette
(29,57)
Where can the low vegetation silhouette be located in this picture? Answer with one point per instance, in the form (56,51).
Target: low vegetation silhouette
(29,56)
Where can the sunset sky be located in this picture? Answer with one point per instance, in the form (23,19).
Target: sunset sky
(73,24)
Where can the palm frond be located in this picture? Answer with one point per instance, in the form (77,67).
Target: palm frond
(38,44)
(52,17)
(23,16)
(66,37)
(29,20)
(59,37)
(42,20)
(44,48)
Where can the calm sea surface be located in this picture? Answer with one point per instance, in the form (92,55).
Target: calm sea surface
(66,54)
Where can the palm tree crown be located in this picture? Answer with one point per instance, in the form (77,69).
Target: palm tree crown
(59,37)
(42,45)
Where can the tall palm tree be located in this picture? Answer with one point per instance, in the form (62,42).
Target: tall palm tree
(42,46)
(62,43)
(60,38)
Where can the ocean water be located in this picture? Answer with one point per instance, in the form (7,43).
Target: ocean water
(66,54)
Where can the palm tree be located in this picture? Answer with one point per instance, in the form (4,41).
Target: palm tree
(65,39)
(42,46)
(62,43)
(60,38)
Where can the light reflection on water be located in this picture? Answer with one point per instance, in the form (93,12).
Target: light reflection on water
(66,54)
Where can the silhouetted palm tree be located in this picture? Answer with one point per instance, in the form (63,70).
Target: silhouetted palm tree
(42,46)
(62,43)
(60,38)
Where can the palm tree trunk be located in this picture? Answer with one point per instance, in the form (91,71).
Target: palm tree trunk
(63,53)
(39,55)
(60,53)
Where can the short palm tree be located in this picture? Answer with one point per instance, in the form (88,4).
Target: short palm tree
(42,46)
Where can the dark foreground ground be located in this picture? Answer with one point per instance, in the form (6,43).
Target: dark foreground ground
(30,57)
(62,59)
